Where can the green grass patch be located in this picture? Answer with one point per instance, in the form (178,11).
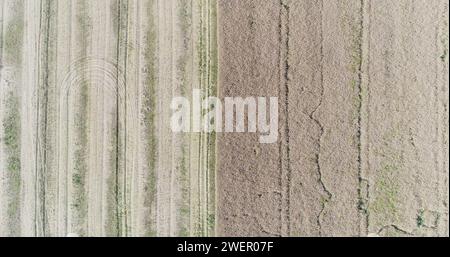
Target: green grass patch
(11,141)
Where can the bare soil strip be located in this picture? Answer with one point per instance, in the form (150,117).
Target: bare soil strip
(406,125)
(251,182)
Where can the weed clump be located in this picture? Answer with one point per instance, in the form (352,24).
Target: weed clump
(420,220)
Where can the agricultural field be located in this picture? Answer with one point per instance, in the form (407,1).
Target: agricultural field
(87,148)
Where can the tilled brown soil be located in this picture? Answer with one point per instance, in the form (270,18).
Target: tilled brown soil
(363,138)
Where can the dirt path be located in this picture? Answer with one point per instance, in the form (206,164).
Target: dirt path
(363,145)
